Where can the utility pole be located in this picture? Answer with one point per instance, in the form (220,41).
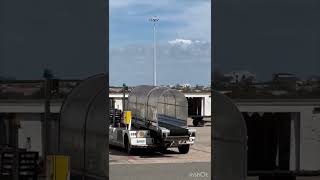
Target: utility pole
(124,87)
(47,89)
(154,20)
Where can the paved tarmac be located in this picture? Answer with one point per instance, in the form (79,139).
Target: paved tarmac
(170,165)
(199,152)
(167,171)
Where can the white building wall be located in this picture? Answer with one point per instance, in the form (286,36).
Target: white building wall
(310,141)
(118,104)
(207,105)
(293,160)
(30,126)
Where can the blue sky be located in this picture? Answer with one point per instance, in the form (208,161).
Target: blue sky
(183,41)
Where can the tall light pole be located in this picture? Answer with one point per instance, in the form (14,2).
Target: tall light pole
(154,20)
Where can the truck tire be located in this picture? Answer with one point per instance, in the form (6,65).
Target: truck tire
(184,149)
(127,147)
(195,122)
(201,123)
(163,150)
(198,121)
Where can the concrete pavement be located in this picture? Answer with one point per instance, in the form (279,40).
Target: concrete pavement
(167,171)
(170,166)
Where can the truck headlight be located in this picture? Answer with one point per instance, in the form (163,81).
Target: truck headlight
(165,133)
(140,134)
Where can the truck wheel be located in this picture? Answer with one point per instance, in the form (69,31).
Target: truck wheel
(195,122)
(184,149)
(201,123)
(163,150)
(127,147)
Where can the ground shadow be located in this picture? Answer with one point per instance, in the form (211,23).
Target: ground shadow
(206,124)
(142,153)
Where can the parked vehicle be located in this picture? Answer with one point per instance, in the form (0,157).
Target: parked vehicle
(158,120)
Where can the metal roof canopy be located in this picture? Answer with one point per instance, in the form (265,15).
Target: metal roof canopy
(229,140)
(147,102)
(83,128)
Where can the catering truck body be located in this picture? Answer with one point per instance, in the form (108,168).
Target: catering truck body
(158,121)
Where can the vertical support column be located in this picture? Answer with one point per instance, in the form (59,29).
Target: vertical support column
(16,145)
(297,126)
(125,87)
(113,103)
(203,102)
(46,118)
(293,160)
(198,102)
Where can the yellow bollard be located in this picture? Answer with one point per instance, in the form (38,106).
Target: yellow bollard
(127,119)
(58,167)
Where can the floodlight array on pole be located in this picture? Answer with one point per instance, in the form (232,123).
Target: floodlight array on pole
(154,19)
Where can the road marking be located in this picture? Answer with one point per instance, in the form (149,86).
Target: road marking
(201,150)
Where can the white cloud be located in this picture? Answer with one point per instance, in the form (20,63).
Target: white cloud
(180,42)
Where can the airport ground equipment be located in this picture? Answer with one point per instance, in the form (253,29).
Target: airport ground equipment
(158,121)
(28,167)
(58,167)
